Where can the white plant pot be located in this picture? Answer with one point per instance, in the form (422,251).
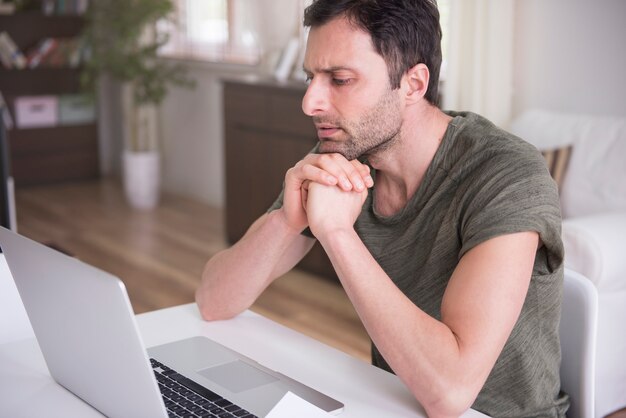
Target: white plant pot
(142,178)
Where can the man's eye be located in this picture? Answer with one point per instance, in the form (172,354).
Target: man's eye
(341,81)
(308,79)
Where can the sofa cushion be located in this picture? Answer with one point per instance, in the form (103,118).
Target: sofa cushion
(595,176)
(594,247)
(557,160)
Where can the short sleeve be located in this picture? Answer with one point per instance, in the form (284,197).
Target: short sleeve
(514,192)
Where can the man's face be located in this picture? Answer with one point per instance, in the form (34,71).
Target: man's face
(349,97)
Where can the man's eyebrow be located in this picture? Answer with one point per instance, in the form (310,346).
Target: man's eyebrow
(329,69)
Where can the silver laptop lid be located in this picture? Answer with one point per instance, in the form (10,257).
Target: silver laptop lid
(85,327)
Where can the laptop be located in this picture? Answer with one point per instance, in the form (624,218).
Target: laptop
(86,330)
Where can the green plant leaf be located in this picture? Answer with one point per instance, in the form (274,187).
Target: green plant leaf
(116,42)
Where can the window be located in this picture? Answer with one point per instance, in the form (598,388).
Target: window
(213,30)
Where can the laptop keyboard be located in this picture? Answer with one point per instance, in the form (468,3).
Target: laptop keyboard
(185,398)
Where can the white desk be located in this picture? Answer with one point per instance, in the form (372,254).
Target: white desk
(27,390)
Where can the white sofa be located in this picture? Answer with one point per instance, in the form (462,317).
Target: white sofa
(593,203)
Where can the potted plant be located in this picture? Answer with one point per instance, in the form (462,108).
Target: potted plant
(121,42)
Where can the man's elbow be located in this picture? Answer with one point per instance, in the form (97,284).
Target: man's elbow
(212,311)
(446,409)
(451,401)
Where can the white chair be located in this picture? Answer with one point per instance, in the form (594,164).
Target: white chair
(579,319)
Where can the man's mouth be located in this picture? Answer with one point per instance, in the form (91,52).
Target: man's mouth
(325,131)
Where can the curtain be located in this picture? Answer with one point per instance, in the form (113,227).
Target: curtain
(479,67)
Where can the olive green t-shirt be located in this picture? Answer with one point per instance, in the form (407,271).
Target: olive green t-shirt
(483,182)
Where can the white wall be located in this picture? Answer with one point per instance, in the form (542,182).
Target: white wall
(192,134)
(570,55)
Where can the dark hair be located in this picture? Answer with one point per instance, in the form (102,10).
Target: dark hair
(404,32)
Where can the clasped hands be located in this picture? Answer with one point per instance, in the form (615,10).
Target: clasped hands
(325,192)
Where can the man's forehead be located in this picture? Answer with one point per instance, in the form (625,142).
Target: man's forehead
(338,44)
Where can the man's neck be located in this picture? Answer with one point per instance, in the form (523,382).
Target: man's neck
(400,169)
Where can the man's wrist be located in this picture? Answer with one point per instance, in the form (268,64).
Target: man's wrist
(279,220)
(335,237)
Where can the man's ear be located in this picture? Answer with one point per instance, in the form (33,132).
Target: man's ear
(416,79)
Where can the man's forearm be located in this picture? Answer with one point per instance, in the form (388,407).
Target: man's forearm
(443,362)
(234,278)
(403,333)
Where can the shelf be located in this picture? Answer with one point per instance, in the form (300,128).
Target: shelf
(39,81)
(60,153)
(39,26)
(51,154)
(69,166)
(27,142)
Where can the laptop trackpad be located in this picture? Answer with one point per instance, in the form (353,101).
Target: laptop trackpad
(237,376)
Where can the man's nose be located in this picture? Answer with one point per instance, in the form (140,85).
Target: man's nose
(315,99)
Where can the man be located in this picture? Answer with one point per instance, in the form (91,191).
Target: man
(449,248)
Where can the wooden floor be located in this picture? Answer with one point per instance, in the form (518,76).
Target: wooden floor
(160,255)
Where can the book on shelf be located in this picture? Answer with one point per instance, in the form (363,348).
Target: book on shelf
(64,7)
(39,52)
(10,54)
(55,53)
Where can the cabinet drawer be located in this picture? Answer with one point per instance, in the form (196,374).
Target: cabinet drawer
(267,109)
(49,155)
(246,107)
(46,169)
(27,142)
(265,133)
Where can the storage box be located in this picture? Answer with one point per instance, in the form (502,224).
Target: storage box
(76,109)
(36,111)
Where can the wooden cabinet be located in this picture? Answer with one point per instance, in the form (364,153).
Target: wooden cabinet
(265,134)
(50,154)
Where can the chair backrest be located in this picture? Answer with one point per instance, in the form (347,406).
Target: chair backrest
(577,331)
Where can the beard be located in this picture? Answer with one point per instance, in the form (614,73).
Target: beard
(375,131)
